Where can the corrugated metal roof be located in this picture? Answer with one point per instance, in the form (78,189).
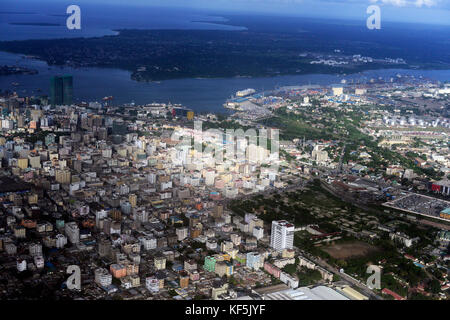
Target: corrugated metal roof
(305,293)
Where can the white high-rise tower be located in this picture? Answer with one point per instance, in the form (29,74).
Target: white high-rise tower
(282,236)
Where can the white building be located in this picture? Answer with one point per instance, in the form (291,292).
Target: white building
(39,262)
(305,293)
(403,238)
(72,232)
(258,232)
(236,239)
(60,241)
(338,91)
(182,233)
(21,265)
(152,284)
(103,277)
(282,236)
(35,249)
(148,243)
(254,261)
(209,177)
(288,280)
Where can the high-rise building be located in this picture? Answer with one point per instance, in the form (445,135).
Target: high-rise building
(67,89)
(282,236)
(190,265)
(60,241)
(118,270)
(62,176)
(182,233)
(72,232)
(119,127)
(103,277)
(50,139)
(35,161)
(224,268)
(61,90)
(148,243)
(35,249)
(104,248)
(218,211)
(132,198)
(160,263)
(22,163)
(56,91)
(184,279)
(236,239)
(210,264)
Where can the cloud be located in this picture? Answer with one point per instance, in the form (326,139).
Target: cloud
(404,3)
(428,3)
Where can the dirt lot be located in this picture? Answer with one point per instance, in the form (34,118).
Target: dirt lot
(349,250)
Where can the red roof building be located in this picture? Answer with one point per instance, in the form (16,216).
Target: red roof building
(392,293)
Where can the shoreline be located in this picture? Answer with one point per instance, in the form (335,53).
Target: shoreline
(414,68)
(200,95)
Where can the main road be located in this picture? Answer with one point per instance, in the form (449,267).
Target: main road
(345,277)
(299,184)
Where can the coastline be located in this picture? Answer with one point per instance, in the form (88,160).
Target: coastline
(201,95)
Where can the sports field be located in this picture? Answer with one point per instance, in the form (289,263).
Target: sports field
(349,250)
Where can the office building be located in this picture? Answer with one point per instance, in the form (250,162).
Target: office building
(61,90)
(72,232)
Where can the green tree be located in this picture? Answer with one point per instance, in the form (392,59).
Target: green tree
(434,286)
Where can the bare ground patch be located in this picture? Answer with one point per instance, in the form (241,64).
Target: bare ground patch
(349,250)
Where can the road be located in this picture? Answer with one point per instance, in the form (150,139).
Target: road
(344,277)
(299,184)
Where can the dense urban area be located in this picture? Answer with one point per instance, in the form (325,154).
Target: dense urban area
(158,202)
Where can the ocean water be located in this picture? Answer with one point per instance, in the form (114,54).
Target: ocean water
(92,84)
(202,95)
(19,20)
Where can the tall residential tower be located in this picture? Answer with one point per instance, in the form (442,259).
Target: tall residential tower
(282,236)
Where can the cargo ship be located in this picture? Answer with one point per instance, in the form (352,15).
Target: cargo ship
(245,93)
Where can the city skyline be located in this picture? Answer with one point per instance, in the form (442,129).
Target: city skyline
(229,150)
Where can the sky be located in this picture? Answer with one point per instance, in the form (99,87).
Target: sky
(411,11)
